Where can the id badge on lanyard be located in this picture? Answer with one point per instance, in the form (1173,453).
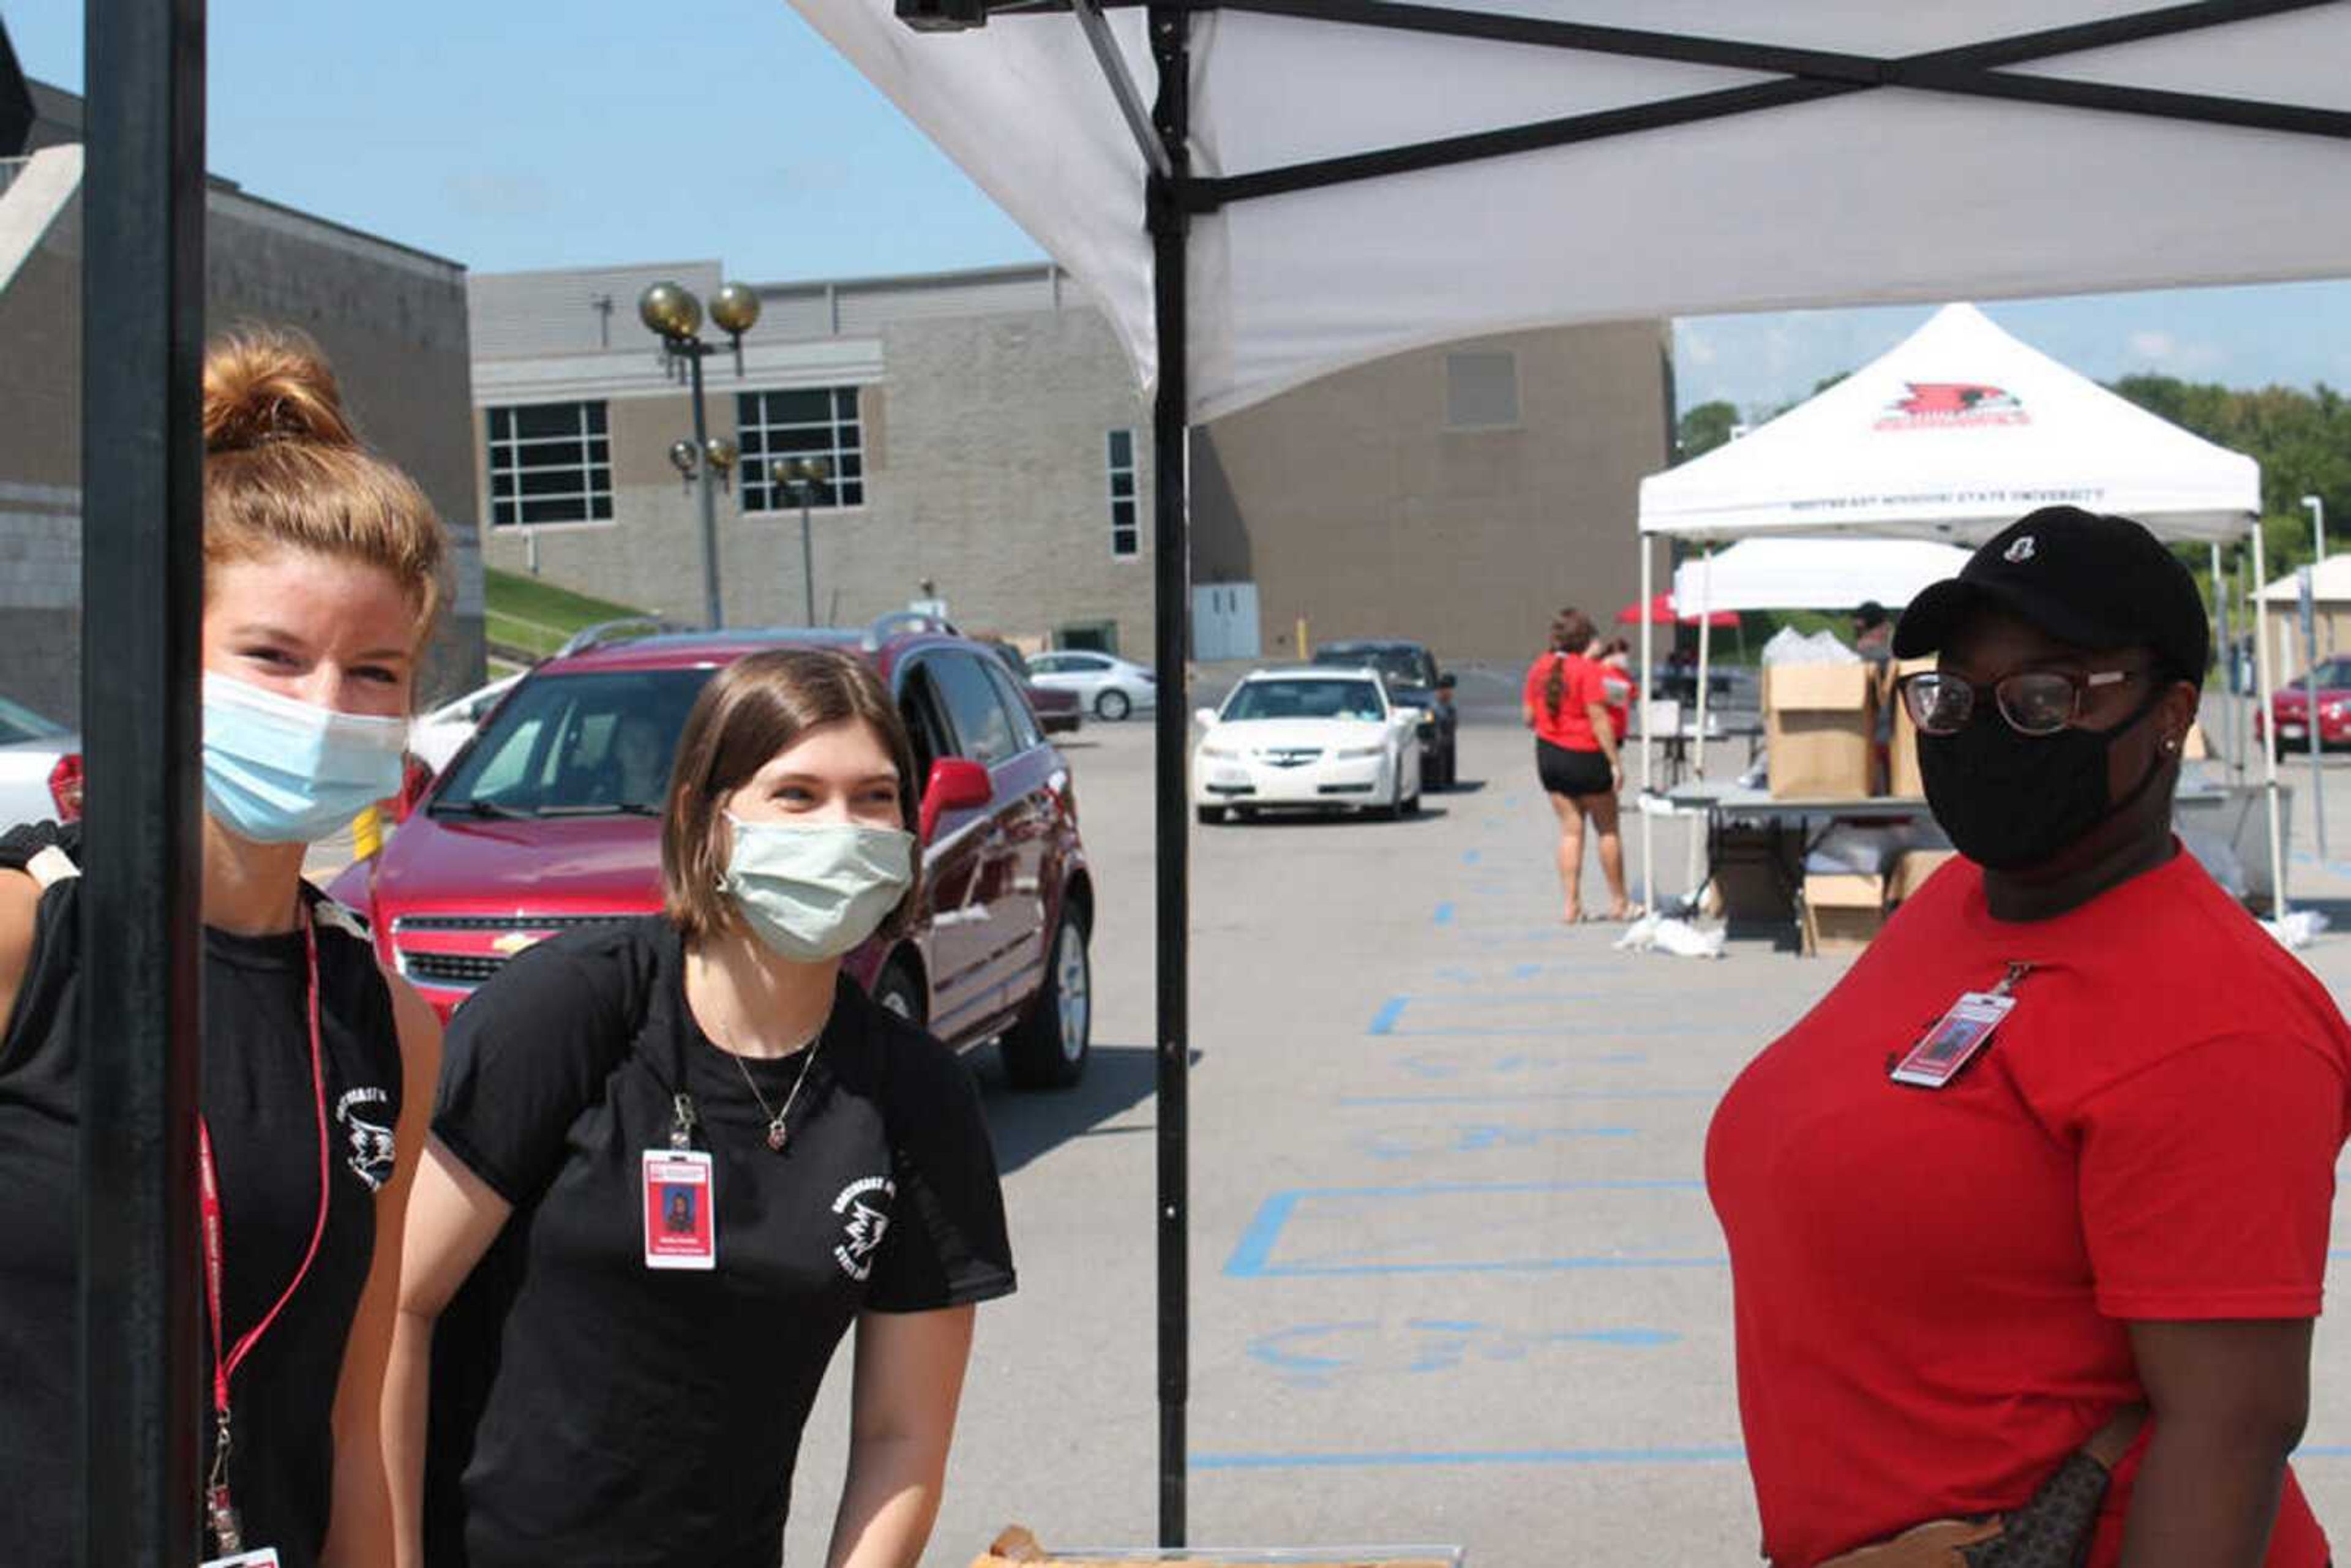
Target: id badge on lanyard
(220,1516)
(1960,1035)
(679,1202)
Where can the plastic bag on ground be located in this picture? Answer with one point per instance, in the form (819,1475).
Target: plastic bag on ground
(2298,930)
(1676,938)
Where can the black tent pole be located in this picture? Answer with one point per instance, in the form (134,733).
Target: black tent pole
(1170,27)
(142,565)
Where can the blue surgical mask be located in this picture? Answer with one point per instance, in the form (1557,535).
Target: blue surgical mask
(282,772)
(814,891)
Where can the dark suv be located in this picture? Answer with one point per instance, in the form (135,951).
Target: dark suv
(550,818)
(1413,681)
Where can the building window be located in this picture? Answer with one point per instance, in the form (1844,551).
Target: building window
(550,463)
(1126,518)
(772,427)
(1481,389)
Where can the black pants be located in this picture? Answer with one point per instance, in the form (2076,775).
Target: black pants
(1574,774)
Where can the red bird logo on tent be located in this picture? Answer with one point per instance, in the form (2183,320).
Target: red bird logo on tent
(1943,404)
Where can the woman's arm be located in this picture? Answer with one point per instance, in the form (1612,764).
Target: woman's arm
(20,908)
(1603,730)
(2229,1402)
(908,1379)
(358,1532)
(453,1217)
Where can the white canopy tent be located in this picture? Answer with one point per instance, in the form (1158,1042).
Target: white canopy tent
(1313,183)
(1952,433)
(1815,574)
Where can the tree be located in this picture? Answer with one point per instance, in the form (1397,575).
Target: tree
(1704,428)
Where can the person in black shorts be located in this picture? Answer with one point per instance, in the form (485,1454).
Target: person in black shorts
(322,575)
(590,1371)
(1564,700)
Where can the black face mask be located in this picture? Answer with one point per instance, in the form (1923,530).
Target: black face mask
(2010,800)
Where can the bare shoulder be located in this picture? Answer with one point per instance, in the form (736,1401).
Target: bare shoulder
(20,906)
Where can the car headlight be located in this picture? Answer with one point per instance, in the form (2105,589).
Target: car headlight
(1361,753)
(1221,753)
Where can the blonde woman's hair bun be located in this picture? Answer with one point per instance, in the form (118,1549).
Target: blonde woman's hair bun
(264,384)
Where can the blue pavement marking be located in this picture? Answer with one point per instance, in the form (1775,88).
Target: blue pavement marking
(1473,1138)
(1252,1258)
(1392,1010)
(1432,1067)
(1607,1029)
(1444,914)
(1323,1355)
(1418,1459)
(1359,1100)
(1470,857)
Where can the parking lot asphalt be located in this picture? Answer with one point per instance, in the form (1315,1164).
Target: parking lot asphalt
(1454,1278)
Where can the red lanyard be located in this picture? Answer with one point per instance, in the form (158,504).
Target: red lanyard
(224,1364)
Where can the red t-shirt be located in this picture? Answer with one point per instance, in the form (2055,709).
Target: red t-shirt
(1580,688)
(1934,1286)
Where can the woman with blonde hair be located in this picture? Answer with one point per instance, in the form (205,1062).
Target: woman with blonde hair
(323,571)
(674,1160)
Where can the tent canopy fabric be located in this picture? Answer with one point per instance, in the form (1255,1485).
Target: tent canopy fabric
(1661,612)
(2330,584)
(1953,434)
(1745,158)
(1815,573)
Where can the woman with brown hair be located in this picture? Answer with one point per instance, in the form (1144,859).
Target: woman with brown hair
(1565,702)
(322,577)
(674,1159)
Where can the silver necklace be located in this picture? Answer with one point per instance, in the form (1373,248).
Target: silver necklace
(776,1135)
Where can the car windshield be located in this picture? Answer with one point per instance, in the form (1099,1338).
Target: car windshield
(591,745)
(1304,697)
(1397,665)
(20,723)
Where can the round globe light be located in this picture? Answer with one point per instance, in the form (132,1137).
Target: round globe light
(670,311)
(735,309)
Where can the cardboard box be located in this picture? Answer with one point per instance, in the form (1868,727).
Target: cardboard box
(1818,721)
(1903,781)
(1911,870)
(1843,910)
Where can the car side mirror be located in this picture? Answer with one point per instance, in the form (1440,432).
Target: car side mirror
(956,784)
(1206,717)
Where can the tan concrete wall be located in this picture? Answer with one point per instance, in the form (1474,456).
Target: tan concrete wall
(1350,503)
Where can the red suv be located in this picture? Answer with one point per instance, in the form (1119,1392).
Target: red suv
(550,818)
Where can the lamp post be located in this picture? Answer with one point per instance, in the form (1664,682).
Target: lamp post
(803,475)
(2318,505)
(672,313)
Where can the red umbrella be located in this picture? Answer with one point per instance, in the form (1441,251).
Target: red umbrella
(1661,613)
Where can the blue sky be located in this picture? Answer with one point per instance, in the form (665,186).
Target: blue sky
(528,133)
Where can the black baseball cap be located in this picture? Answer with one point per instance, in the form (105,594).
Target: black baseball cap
(2093,581)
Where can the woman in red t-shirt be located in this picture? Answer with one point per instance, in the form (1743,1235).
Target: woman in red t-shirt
(2038,1196)
(1575,756)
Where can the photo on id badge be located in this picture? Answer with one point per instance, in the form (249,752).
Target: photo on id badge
(680,1229)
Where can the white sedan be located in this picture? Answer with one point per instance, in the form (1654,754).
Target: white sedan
(1111,689)
(1322,738)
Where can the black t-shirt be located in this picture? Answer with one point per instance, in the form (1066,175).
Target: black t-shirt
(586,1408)
(261,1107)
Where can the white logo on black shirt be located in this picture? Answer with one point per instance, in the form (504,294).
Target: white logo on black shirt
(372,1156)
(862,1224)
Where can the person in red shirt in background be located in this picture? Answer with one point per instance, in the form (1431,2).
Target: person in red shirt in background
(1616,683)
(2034,1206)
(1564,704)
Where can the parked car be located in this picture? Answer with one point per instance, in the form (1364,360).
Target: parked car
(1320,737)
(441,734)
(1413,680)
(550,818)
(1059,711)
(2290,707)
(40,768)
(1110,687)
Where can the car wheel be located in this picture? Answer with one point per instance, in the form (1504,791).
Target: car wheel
(1047,1048)
(896,990)
(1113,705)
(1210,816)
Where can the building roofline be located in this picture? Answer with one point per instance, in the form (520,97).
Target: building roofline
(601,267)
(1003,272)
(303,215)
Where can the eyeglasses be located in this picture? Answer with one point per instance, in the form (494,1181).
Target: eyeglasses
(2033,702)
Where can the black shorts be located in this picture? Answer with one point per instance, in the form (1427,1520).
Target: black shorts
(1573,773)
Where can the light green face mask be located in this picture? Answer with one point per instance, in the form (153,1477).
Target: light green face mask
(813,891)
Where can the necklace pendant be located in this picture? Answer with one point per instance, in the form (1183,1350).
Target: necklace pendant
(776,1135)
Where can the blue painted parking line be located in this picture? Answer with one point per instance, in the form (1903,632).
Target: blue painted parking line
(1444,915)
(1470,857)
(1556,1030)
(1426,1458)
(1253,1258)
(1384,1020)
(1351,1100)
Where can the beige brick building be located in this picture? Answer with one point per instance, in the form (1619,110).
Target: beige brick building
(988,441)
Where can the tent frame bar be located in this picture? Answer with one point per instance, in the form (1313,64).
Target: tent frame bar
(1807,76)
(137,1443)
(1122,88)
